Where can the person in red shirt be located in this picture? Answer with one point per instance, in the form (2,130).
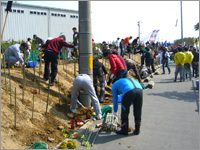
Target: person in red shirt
(51,55)
(117,68)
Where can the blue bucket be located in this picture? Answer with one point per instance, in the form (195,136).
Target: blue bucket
(197,84)
(33,65)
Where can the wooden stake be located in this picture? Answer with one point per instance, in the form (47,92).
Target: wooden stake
(75,67)
(48,95)
(66,65)
(15,109)
(9,79)
(34,64)
(33,98)
(4,64)
(59,90)
(24,79)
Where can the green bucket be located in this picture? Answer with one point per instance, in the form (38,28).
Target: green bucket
(39,145)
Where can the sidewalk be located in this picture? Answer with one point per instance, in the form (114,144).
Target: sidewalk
(169,119)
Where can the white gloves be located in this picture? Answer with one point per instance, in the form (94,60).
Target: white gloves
(76,47)
(105,83)
(114,113)
(111,76)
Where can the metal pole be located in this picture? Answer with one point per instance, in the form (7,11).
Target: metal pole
(181,24)
(85,46)
(4,26)
(15,109)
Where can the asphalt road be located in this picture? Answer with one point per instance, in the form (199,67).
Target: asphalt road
(169,119)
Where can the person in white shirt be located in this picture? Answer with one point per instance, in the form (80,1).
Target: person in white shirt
(117,44)
(29,46)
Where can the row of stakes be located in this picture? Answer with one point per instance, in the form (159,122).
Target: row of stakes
(24,82)
(40,71)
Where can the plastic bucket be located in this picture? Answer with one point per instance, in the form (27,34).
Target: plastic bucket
(197,84)
(33,65)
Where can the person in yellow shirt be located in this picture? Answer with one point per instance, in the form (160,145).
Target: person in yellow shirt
(187,64)
(179,59)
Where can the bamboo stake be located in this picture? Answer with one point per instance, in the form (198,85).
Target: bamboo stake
(64,60)
(9,78)
(75,67)
(33,98)
(24,79)
(15,109)
(4,64)
(34,64)
(59,90)
(66,65)
(48,95)
(39,81)
(59,57)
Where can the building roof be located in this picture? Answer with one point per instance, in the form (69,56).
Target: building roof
(41,6)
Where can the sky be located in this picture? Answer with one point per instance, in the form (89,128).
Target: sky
(112,19)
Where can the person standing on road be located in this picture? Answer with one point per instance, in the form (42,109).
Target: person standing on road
(98,70)
(187,64)
(179,59)
(132,65)
(132,93)
(141,51)
(51,55)
(75,40)
(134,44)
(165,60)
(195,61)
(148,59)
(117,68)
(84,82)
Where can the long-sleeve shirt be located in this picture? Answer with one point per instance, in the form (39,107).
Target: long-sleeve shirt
(122,60)
(121,44)
(129,63)
(126,40)
(179,58)
(75,38)
(56,44)
(14,50)
(122,86)
(188,57)
(196,56)
(116,64)
(148,57)
(97,65)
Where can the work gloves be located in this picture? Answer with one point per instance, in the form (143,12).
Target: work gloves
(114,113)
(111,76)
(105,83)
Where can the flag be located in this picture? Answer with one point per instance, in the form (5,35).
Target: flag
(176,22)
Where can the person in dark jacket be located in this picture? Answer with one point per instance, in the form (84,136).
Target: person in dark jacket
(98,70)
(75,41)
(195,61)
(132,93)
(165,59)
(129,50)
(148,59)
(134,43)
(51,55)
(121,45)
(141,51)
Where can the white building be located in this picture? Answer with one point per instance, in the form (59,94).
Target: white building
(26,20)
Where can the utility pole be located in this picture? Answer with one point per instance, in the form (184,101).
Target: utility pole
(181,24)
(85,47)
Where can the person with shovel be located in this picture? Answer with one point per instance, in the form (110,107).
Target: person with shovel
(84,82)
(132,93)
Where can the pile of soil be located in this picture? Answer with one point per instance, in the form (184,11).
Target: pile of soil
(32,122)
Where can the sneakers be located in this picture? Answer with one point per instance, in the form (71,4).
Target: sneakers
(99,116)
(45,79)
(72,110)
(52,83)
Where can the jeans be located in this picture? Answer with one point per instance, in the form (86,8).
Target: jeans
(187,68)
(165,62)
(179,68)
(121,74)
(51,56)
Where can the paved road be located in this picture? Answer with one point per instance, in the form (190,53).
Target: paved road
(169,119)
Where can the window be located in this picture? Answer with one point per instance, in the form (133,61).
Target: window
(55,14)
(64,15)
(58,15)
(14,10)
(61,15)
(34,12)
(18,11)
(22,11)
(45,13)
(76,16)
(42,13)
(38,13)
(52,14)
(31,12)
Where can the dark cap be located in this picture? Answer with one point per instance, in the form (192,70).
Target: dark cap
(179,48)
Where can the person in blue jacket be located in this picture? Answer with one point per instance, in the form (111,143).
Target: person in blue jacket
(132,93)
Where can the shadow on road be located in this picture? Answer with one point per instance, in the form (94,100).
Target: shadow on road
(181,96)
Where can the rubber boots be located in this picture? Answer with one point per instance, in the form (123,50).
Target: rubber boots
(124,129)
(102,92)
(137,127)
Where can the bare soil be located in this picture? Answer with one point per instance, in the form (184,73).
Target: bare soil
(32,122)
